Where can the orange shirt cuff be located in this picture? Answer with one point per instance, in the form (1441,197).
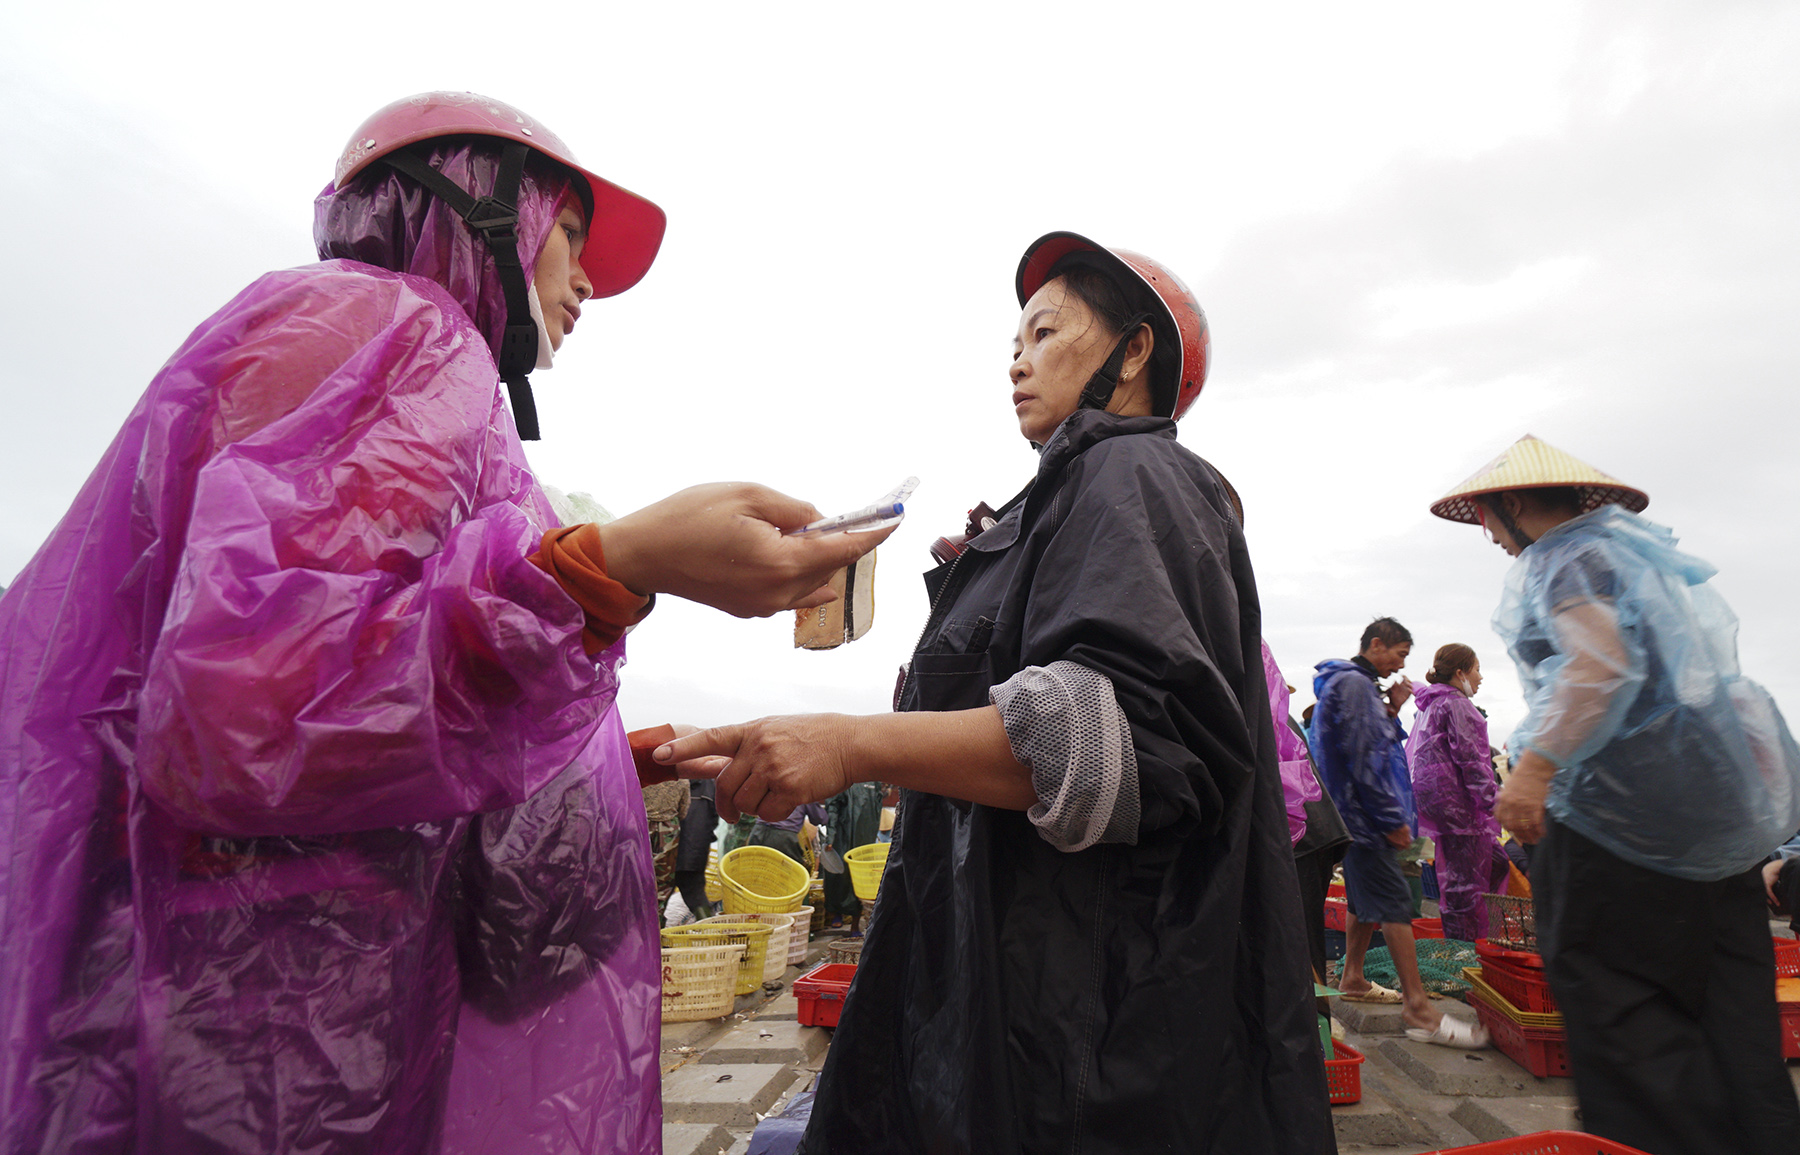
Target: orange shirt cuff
(572,555)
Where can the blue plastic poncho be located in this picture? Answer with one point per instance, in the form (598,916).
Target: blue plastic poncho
(1360,753)
(318,831)
(1667,756)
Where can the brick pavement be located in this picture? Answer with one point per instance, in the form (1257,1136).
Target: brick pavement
(719,1077)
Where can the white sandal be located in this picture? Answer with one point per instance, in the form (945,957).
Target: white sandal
(1452,1032)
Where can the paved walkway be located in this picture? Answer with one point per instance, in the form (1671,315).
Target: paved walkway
(721,1076)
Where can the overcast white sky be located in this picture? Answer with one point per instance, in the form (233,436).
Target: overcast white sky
(1419,230)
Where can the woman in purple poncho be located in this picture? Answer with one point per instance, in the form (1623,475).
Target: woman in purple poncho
(318,826)
(1453,785)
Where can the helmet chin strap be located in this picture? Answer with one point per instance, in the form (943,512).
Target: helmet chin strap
(1098,392)
(495,219)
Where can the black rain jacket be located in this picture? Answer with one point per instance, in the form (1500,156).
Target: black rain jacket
(1139,997)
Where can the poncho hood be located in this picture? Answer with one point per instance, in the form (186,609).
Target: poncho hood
(1430,694)
(384,219)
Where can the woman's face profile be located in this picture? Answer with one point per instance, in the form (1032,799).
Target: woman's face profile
(558,279)
(1059,345)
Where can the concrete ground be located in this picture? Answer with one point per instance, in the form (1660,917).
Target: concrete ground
(721,1076)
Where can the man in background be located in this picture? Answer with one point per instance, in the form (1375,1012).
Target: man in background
(1360,751)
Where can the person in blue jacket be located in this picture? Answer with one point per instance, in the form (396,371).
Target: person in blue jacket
(1360,750)
(1654,780)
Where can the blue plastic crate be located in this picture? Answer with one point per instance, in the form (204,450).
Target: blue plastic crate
(1428,879)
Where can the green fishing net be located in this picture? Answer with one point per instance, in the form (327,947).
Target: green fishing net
(1441,963)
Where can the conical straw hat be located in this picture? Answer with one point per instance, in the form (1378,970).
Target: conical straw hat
(1532,464)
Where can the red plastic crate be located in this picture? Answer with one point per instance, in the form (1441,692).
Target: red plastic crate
(1787,958)
(1542,1052)
(1546,1143)
(1492,951)
(1343,1075)
(1524,987)
(1428,928)
(821,993)
(1336,913)
(1335,890)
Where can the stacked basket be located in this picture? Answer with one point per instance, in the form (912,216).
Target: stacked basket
(781,928)
(1510,994)
(797,938)
(699,982)
(1787,994)
(753,937)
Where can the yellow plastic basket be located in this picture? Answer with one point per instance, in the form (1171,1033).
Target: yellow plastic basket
(1536,1020)
(699,982)
(762,881)
(781,929)
(866,864)
(752,936)
(715,889)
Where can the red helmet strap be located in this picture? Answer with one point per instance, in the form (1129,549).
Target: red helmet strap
(1098,392)
(495,219)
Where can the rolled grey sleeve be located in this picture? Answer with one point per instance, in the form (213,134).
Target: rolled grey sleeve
(1064,722)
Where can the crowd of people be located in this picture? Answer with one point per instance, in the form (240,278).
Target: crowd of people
(322,833)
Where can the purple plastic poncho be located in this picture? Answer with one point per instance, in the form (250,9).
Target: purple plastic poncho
(1452,769)
(320,832)
(1298,783)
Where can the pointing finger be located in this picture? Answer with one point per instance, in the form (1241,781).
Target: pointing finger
(717,740)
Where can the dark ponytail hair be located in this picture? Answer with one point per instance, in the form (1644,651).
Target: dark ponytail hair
(1448,662)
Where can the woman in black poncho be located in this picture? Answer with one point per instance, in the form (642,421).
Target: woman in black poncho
(1089,935)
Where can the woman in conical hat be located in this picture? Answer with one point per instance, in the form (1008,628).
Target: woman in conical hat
(1654,780)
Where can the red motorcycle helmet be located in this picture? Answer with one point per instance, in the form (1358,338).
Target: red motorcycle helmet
(625,230)
(1179,319)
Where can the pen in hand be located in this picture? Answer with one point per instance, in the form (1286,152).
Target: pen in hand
(856,519)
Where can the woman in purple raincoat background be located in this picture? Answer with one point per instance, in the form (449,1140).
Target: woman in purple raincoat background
(318,826)
(1453,786)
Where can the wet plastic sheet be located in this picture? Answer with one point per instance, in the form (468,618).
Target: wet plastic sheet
(1668,757)
(1452,768)
(289,726)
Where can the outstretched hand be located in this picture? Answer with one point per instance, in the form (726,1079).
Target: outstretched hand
(775,764)
(722,545)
